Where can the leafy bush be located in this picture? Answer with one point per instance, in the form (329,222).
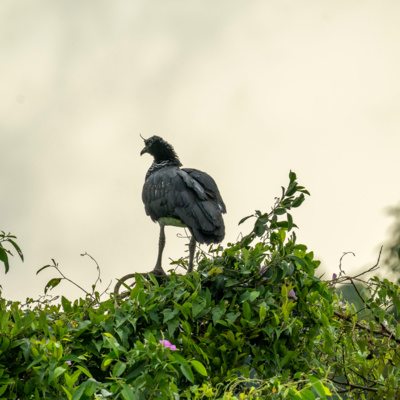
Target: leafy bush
(253,322)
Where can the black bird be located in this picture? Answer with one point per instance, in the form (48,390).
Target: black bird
(181,197)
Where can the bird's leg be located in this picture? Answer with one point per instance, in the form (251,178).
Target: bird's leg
(161,243)
(192,248)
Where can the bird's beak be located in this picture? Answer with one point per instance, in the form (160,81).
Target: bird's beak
(144,151)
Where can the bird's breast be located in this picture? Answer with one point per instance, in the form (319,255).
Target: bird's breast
(171,221)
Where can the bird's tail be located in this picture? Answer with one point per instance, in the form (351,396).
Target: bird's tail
(208,226)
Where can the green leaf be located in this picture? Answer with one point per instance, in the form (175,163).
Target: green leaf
(397,331)
(245,255)
(16,247)
(297,375)
(52,283)
(4,258)
(381,315)
(299,261)
(3,389)
(247,310)
(141,297)
(244,219)
(172,325)
(127,392)
(298,201)
(253,295)
(291,189)
(285,359)
(231,317)
(218,312)
(317,386)
(324,319)
(78,392)
(36,361)
(186,327)
(282,224)
(187,371)
(199,367)
(285,311)
(169,314)
(85,371)
(292,176)
(90,386)
(118,369)
(58,371)
(262,313)
(138,281)
(66,304)
(290,221)
(41,269)
(105,363)
(154,280)
(259,228)
(180,359)
(327,391)
(198,306)
(307,394)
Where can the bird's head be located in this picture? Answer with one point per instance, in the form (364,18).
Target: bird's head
(159,149)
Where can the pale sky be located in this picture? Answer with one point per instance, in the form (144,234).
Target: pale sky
(246,91)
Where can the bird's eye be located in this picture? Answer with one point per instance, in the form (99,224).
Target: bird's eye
(149,144)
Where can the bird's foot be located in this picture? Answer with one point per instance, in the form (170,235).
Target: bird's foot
(158,271)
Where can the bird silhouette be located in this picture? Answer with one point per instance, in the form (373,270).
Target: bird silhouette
(182,197)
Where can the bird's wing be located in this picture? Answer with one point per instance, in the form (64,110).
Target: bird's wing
(174,193)
(209,185)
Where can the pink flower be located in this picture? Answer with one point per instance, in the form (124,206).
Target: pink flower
(68,362)
(292,294)
(166,343)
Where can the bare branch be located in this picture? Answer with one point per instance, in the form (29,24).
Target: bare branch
(97,265)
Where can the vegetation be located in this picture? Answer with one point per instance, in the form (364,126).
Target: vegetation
(253,322)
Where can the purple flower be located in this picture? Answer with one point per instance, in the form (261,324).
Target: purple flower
(292,294)
(166,343)
(334,277)
(68,362)
(263,270)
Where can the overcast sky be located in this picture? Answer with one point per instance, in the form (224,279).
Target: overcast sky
(246,91)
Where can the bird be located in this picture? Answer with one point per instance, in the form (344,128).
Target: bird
(182,197)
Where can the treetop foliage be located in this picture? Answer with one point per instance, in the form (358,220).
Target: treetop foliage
(253,322)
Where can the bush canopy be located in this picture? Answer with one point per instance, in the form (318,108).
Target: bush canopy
(254,321)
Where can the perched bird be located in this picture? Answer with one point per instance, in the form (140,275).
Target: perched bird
(181,197)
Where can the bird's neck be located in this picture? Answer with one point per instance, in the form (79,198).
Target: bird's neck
(157,165)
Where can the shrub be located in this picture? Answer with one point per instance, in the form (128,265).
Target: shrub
(253,322)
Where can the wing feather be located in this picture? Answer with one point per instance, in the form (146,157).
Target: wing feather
(189,195)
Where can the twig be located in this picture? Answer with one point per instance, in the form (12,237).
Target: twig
(340,262)
(69,280)
(352,386)
(384,332)
(373,268)
(97,265)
